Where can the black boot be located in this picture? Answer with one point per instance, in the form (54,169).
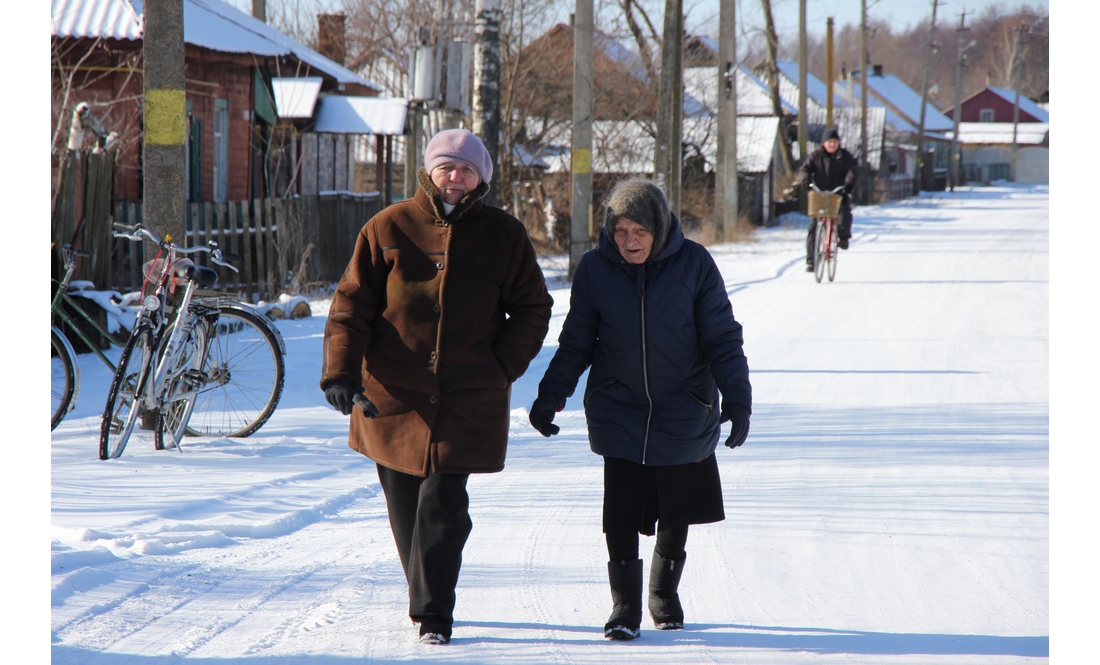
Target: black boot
(664,601)
(626,598)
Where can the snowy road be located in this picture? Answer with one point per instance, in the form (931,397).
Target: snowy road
(889,506)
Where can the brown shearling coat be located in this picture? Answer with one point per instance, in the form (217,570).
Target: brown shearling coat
(436,315)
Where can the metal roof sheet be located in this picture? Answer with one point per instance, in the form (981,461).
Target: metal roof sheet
(817,92)
(906,100)
(361,115)
(1000,133)
(296,97)
(1041,114)
(210,24)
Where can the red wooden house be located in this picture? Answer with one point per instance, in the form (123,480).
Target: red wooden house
(996,105)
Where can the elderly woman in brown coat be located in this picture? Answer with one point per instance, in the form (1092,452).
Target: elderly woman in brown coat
(441,308)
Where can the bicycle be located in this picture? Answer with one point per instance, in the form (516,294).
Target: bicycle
(65,371)
(187,356)
(824,207)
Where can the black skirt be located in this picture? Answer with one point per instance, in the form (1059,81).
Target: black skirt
(636,496)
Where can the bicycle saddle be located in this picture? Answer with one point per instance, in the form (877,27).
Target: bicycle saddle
(200,274)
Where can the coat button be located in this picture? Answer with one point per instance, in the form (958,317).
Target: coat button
(439,265)
(435,308)
(431,398)
(433,355)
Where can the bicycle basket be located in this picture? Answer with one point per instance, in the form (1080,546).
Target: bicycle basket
(822,204)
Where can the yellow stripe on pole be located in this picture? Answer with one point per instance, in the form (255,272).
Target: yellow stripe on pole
(582,160)
(165,116)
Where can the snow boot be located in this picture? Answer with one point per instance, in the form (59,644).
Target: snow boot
(626,598)
(664,601)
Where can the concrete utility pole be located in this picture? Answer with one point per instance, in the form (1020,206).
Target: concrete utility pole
(924,102)
(864,59)
(957,112)
(1016,84)
(164,117)
(803,129)
(725,181)
(259,10)
(486,120)
(580,234)
(667,100)
(829,76)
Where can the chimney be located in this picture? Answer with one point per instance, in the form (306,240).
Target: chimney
(877,70)
(330,37)
(988,79)
(259,10)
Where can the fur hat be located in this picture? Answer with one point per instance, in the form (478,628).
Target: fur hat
(458,145)
(642,202)
(831,133)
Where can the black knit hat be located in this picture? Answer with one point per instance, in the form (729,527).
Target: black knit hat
(642,202)
(831,133)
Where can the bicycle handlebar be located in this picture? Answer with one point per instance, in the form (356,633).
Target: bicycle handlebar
(137,233)
(834,190)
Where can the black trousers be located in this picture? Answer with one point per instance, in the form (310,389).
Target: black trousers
(843,227)
(430,520)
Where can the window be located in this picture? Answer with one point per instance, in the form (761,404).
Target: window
(221,149)
(985,115)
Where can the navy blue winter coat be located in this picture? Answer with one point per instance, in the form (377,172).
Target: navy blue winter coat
(661,340)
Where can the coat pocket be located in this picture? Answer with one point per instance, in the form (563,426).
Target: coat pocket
(702,401)
(593,391)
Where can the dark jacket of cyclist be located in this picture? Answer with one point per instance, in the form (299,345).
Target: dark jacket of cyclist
(829,167)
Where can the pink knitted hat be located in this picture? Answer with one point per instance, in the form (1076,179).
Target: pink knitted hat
(458,145)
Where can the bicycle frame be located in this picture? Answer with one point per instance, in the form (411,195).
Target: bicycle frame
(72,322)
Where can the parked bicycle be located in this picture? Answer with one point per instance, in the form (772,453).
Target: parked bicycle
(824,208)
(192,366)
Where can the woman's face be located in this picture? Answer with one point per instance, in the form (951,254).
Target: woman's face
(634,240)
(455,180)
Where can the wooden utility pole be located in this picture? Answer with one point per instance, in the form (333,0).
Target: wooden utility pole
(725,181)
(664,153)
(676,143)
(164,120)
(864,59)
(955,161)
(259,10)
(773,80)
(486,111)
(803,129)
(829,76)
(917,184)
(580,235)
(1016,84)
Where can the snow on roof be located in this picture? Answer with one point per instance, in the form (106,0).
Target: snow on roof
(622,55)
(296,97)
(210,24)
(110,19)
(753,96)
(621,146)
(1025,104)
(338,114)
(1027,133)
(817,91)
(906,101)
(895,121)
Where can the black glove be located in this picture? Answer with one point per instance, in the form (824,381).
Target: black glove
(542,413)
(344,395)
(738,417)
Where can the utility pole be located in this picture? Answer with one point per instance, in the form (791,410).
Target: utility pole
(580,233)
(803,130)
(725,181)
(1016,84)
(259,10)
(665,152)
(962,48)
(924,100)
(486,112)
(829,76)
(864,59)
(773,79)
(676,143)
(164,120)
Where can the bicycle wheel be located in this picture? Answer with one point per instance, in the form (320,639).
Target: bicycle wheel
(185,377)
(63,379)
(244,376)
(124,399)
(834,251)
(820,239)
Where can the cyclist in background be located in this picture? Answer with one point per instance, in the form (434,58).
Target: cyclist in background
(829,167)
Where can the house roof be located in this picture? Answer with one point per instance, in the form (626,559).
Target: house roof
(338,114)
(817,91)
(1000,133)
(296,97)
(753,96)
(1026,104)
(210,24)
(907,102)
(892,118)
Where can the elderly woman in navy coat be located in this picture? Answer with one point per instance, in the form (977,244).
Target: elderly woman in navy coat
(650,315)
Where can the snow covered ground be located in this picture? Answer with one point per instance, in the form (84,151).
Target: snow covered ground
(889,506)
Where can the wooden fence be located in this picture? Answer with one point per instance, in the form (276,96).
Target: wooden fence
(285,244)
